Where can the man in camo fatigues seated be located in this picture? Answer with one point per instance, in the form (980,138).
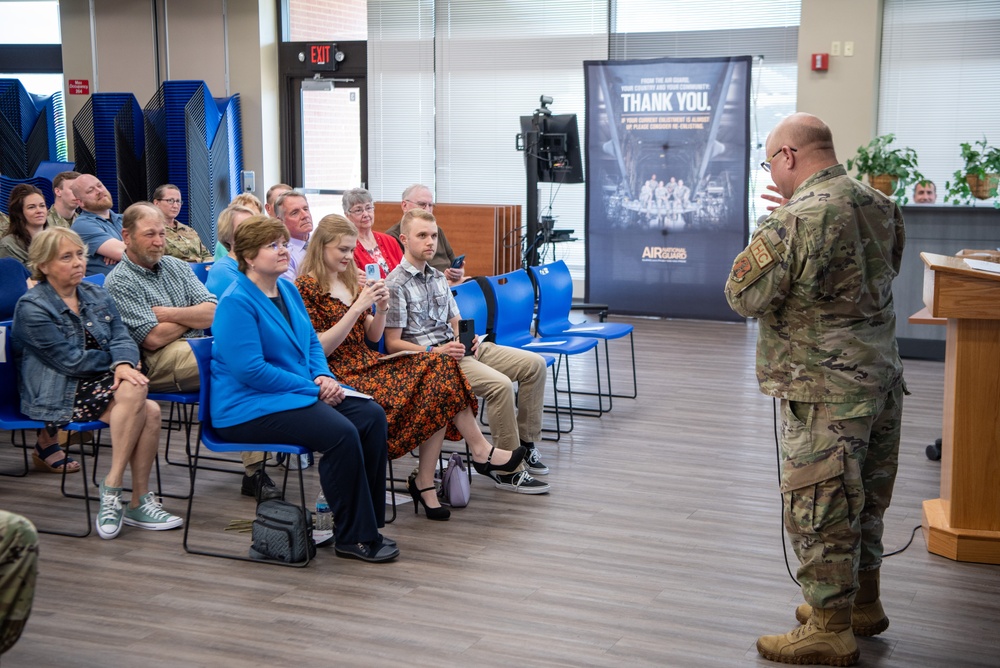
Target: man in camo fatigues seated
(818,276)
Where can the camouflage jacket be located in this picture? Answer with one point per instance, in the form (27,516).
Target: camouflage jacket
(184,243)
(55,220)
(818,276)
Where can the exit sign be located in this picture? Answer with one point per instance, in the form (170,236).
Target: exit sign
(322,57)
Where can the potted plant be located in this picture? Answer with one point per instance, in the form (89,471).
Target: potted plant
(980,176)
(889,170)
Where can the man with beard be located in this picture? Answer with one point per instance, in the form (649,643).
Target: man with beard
(163,303)
(98,226)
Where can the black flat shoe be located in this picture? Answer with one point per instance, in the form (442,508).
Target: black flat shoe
(440,514)
(375,553)
(516,457)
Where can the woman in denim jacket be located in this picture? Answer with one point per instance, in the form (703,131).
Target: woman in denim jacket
(77,362)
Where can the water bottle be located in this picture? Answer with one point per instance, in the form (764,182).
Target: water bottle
(324,516)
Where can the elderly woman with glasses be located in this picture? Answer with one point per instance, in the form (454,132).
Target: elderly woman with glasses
(182,241)
(373,247)
(271,384)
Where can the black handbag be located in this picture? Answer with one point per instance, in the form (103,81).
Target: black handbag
(282,532)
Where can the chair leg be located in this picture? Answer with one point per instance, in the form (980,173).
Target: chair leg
(85,497)
(392,492)
(24,453)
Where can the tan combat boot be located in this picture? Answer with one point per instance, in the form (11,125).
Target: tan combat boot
(867,618)
(826,638)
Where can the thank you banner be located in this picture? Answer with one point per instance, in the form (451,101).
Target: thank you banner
(668,141)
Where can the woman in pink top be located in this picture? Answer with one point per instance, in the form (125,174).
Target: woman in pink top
(373,247)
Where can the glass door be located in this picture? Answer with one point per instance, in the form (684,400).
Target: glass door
(331,142)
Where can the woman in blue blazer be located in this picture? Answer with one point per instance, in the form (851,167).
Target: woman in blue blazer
(271,384)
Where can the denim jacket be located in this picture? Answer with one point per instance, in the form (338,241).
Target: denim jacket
(49,347)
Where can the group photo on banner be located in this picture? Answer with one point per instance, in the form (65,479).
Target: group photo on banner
(667,146)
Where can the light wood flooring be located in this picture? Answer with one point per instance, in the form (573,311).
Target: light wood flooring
(660,544)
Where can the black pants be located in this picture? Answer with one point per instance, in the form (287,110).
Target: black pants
(352,440)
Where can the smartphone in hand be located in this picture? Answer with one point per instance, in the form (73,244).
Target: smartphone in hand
(458,262)
(372,273)
(467,334)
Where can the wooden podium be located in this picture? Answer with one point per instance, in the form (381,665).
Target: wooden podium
(964,524)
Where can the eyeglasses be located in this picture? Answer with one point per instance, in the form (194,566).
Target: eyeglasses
(358,210)
(277,246)
(422,205)
(766,165)
(173,201)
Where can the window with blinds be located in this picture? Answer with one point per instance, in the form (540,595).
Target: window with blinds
(940,79)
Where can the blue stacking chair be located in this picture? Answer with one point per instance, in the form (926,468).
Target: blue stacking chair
(555,299)
(96,279)
(514,297)
(13,284)
(12,419)
(472,305)
(208,437)
(201,270)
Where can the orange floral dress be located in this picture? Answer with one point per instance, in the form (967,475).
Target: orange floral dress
(420,393)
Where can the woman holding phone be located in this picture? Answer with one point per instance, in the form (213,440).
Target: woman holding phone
(425,395)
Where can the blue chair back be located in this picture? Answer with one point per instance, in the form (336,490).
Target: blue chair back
(8,374)
(472,305)
(200,270)
(96,279)
(555,297)
(514,296)
(202,348)
(13,277)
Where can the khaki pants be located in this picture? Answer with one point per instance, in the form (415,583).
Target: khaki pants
(173,368)
(492,374)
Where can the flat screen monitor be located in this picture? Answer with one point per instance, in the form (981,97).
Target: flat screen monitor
(555,144)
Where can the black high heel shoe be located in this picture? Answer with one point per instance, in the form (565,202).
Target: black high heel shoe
(516,457)
(439,514)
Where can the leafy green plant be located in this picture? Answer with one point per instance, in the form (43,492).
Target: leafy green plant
(877,159)
(982,164)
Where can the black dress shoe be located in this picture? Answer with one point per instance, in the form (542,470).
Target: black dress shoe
(376,552)
(260,486)
(387,541)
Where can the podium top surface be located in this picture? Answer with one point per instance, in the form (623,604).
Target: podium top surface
(956,265)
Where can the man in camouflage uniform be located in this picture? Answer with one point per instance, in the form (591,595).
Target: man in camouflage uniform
(62,213)
(18,569)
(818,277)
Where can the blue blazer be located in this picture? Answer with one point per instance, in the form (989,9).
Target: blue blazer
(260,364)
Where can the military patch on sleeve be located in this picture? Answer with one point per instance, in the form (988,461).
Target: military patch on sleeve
(761,254)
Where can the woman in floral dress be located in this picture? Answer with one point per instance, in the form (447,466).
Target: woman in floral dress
(425,395)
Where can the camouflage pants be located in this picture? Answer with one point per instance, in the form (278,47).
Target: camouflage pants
(837,472)
(18,566)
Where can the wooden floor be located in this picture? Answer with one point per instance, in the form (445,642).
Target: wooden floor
(660,544)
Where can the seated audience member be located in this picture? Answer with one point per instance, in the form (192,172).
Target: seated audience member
(98,226)
(419,196)
(423,394)
(77,362)
(245,200)
(925,192)
(423,317)
(373,247)
(63,210)
(225,270)
(271,384)
(292,209)
(27,210)
(18,570)
(273,193)
(183,241)
(163,303)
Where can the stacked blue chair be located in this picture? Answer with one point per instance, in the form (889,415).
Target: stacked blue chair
(32,129)
(514,296)
(555,299)
(109,143)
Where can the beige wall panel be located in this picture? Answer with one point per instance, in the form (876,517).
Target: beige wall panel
(845,96)
(196,42)
(126,58)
